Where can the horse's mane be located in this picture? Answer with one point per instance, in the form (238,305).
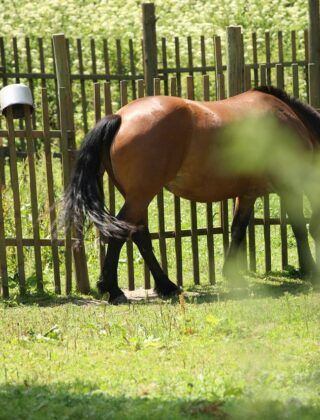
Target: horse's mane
(308,115)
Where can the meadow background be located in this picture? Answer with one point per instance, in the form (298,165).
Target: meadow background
(122,18)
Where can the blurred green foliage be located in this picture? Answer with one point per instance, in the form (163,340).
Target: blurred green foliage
(122,18)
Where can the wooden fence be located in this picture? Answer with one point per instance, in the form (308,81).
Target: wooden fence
(71,100)
(32,61)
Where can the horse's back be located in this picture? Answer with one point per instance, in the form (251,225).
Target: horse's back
(173,142)
(208,172)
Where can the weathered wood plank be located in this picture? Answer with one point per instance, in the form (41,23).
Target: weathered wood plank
(34,197)
(51,193)
(3,252)
(209,209)
(16,200)
(193,209)
(129,243)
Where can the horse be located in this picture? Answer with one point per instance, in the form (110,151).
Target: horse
(165,141)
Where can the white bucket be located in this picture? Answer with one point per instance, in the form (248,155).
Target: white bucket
(16,95)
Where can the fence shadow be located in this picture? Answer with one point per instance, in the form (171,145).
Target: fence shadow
(275,285)
(47,299)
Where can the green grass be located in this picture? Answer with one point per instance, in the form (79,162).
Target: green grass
(221,355)
(253,354)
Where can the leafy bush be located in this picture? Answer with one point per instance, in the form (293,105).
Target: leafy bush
(122,18)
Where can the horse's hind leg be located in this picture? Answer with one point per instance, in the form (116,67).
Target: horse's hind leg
(314,229)
(109,277)
(133,212)
(164,287)
(243,210)
(294,207)
(108,282)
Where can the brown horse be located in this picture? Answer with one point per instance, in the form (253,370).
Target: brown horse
(162,141)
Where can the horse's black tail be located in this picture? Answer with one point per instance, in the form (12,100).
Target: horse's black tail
(84,195)
(309,116)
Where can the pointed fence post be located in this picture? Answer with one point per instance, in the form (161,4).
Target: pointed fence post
(314,68)
(235,61)
(64,85)
(150,59)
(236,85)
(314,53)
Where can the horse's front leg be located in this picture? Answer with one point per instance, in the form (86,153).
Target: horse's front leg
(294,206)
(243,209)
(314,229)
(163,286)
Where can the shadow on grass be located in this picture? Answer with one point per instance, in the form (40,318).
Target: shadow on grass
(274,285)
(47,299)
(79,400)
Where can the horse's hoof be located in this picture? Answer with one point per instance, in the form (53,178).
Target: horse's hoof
(115,296)
(118,300)
(102,287)
(169,291)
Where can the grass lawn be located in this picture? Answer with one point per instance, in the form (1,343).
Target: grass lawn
(210,355)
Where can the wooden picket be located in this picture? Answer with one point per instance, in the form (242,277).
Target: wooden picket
(51,193)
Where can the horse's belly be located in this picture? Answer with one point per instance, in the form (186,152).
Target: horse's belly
(203,178)
(209,172)
(210,189)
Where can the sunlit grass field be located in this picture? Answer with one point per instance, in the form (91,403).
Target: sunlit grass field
(213,355)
